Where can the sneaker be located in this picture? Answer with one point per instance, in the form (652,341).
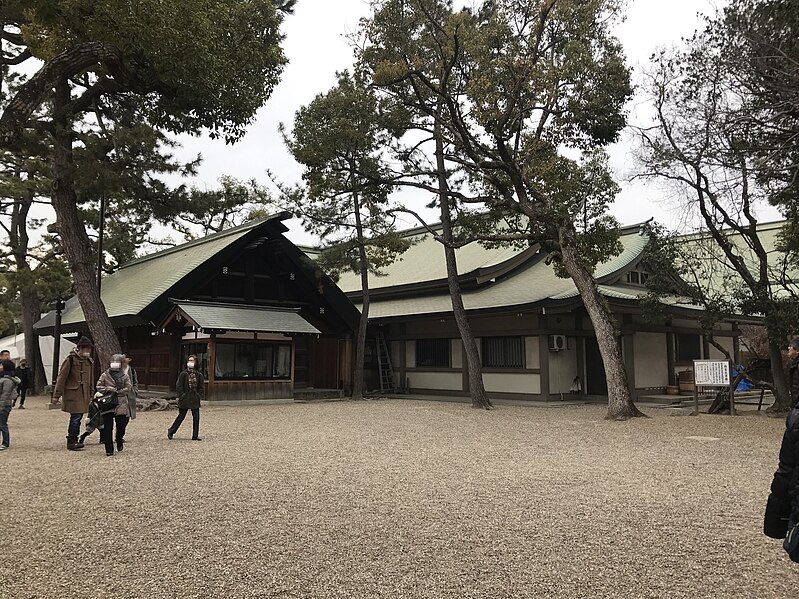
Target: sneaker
(196,439)
(109,455)
(2,447)
(21,407)
(169,434)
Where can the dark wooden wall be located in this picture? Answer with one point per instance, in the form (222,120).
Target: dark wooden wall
(248,390)
(154,357)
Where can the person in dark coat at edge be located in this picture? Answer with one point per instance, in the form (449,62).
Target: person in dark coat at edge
(23,373)
(781,520)
(191,390)
(76,385)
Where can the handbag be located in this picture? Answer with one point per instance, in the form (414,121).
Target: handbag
(108,402)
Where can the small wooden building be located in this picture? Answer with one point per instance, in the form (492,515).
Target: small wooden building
(259,315)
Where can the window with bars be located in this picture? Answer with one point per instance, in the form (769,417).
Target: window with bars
(503,352)
(433,352)
(252,361)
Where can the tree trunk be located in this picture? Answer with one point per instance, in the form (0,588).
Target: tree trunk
(31,304)
(782,395)
(72,232)
(360,340)
(473,364)
(31,312)
(620,403)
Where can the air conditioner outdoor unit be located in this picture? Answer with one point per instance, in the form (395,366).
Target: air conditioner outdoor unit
(558,342)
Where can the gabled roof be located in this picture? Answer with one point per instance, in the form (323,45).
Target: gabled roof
(134,293)
(215,316)
(422,265)
(522,278)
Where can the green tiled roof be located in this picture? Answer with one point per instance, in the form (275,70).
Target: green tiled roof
(213,316)
(529,284)
(424,261)
(137,284)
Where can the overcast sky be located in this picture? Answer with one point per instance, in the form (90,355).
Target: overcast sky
(317,47)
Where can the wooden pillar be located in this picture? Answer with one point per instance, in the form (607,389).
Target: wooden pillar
(211,366)
(543,355)
(736,343)
(579,347)
(465,370)
(670,356)
(403,365)
(628,345)
(147,360)
(705,347)
(176,333)
(293,348)
(628,342)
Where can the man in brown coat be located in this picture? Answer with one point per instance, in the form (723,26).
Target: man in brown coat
(76,387)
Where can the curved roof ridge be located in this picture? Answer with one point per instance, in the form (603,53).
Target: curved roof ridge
(202,240)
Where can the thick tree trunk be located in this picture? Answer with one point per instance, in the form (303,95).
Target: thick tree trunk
(620,403)
(31,305)
(31,312)
(782,395)
(475,368)
(72,232)
(360,340)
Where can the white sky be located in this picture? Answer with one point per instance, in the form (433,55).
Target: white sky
(317,47)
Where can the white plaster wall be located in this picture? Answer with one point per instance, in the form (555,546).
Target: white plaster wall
(532,359)
(410,354)
(726,343)
(651,360)
(436,380)
(512,383)
(456,353)
(563,368)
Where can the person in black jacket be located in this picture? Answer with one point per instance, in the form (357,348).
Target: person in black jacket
(781,520)
(23,373)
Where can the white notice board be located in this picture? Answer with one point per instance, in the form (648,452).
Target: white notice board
(712,373)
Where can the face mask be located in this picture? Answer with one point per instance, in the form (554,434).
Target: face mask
(190,364)
(115,365)
(86,354)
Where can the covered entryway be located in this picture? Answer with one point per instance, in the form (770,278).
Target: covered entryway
(596,382)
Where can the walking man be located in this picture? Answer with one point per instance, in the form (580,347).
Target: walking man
(75,386)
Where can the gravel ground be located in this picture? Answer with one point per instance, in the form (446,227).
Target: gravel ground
(393,498)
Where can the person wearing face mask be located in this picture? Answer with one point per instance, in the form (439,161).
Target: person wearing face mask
(74,386)
(128,369)
(191,391)
(114,380)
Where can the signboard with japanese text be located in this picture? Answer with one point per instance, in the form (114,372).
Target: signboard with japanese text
(712,373)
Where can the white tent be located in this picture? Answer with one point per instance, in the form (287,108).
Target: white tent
(15,344)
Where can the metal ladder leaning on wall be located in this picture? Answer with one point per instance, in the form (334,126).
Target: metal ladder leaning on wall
(384,365)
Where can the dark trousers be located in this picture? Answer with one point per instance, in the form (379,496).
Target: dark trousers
(21,396)
(73,430)
(195,422)
(108,427)
(4,414)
